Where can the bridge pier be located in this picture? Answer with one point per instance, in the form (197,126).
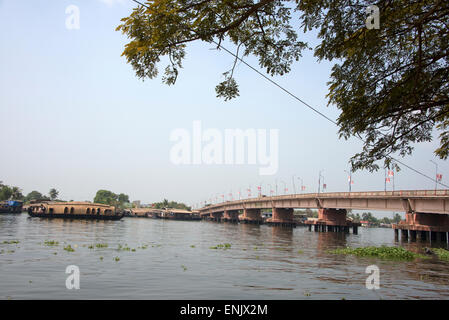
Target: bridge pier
(252,216)
(216,216)
(424,226)
(332,220)
(282,217)
(230,216)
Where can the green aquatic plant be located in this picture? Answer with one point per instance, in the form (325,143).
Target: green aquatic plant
(101,258)
(117,259)
(300,252)
(223,246)
(123,248)
(192,246)
(91,246)
(51,243)
(11,242)
(69,248)
(383,252)
(443,254)
(184,267)
(101,245)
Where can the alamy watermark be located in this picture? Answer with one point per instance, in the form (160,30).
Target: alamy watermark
(73,280)
(233,147)
(72,21)
(373,280)
(373,19)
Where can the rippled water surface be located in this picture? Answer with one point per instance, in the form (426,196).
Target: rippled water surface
(174,260)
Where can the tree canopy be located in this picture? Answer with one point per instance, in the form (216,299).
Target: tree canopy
(391,84)
(35,195)
(110,198)
(171,204)
(10,192)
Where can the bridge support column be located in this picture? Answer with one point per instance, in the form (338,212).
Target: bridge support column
(216,216)
(424,226)
(282,217)
(252,216)
(333,220)
(230,216)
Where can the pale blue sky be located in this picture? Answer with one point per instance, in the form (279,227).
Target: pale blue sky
(75,117)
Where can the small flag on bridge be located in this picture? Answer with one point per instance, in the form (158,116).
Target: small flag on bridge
(390,173)
(439,176)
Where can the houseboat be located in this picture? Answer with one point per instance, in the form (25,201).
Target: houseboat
(74,210)
(177,214)
(143,212)
(11,206)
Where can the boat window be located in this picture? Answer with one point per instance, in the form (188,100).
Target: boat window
(98,211)
(50,210)
(72,210)
(88,211)
(66,210)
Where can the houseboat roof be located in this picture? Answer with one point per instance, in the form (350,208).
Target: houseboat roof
(74,203)
(178,211)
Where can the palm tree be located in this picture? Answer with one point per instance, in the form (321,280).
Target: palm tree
(16,193)
(53,193)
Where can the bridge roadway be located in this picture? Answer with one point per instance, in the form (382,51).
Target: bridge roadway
(426,211)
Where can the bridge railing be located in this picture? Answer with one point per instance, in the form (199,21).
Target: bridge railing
(359,194)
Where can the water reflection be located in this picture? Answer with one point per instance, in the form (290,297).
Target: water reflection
(179,262)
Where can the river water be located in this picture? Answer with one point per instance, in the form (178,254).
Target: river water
(174,260)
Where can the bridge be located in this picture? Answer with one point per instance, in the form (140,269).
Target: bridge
(426,211)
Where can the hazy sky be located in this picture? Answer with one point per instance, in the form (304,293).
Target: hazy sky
(75,117)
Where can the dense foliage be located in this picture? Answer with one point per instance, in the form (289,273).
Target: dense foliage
(171,204)
(110,198)
(368,216)
(383,252)
(391,84)
(10,192)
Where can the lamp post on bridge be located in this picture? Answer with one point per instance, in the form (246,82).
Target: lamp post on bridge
(271,190)
(319,180)
(302,185)
(285,186)
(436,173)
(349,179)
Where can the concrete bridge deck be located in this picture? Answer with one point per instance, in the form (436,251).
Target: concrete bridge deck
(425,209)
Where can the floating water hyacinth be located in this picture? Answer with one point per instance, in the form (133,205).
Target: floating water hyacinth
(443,254)
(224,246)
(69,248)
(51,243)
(11,242)
(383,252)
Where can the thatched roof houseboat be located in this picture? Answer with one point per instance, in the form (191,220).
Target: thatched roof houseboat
(74,210)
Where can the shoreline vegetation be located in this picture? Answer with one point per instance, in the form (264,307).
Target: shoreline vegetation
(118,200)
(392,253)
